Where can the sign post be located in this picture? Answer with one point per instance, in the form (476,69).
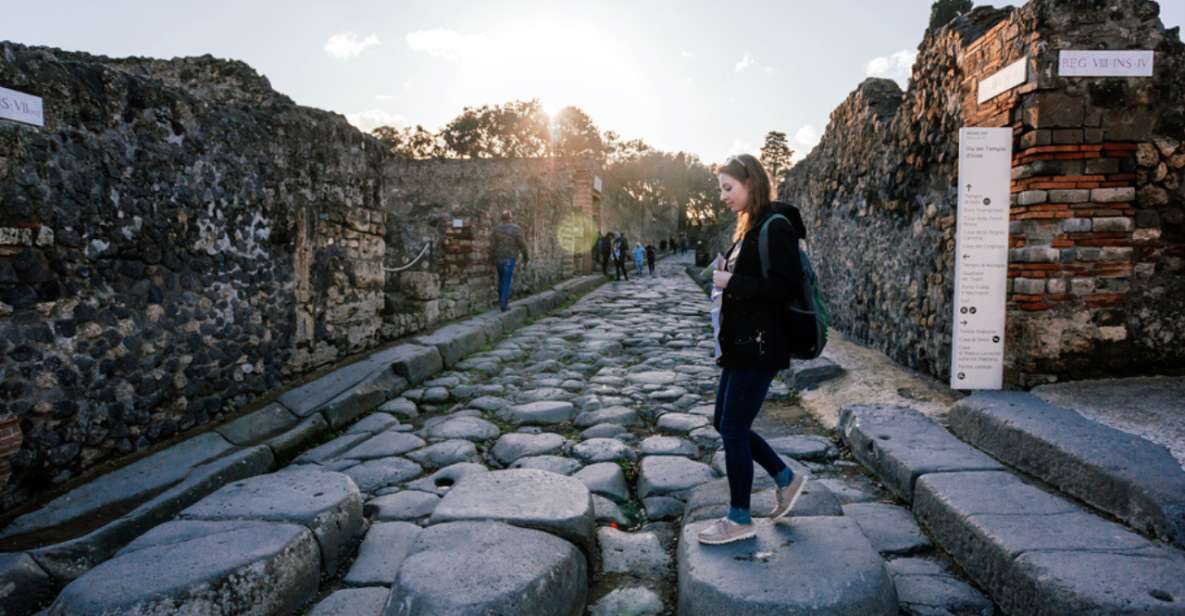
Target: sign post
(981,258)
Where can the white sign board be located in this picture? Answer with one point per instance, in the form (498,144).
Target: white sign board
(1102,63)
(21,107)
(1003,80)
(981,258)
(458,223)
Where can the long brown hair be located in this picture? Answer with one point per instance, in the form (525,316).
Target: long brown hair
(745,168)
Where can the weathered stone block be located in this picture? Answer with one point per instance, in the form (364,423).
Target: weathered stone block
(1113,195)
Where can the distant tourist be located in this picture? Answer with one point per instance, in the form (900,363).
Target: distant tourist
(506,243)
(639,257)
(753,343)
(606,252)
(650,258)
(662,245)
(621,251)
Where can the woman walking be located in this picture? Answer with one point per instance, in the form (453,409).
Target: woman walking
(621,250)
(639,257)
(753,342)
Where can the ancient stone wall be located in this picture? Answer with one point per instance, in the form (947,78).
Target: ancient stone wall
(180,239)
(1096,272)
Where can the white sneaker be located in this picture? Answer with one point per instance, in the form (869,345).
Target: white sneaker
(787,496)
(725,530)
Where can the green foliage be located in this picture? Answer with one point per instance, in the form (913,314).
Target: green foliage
(574,135)
(416,143)
(943,12)
(518,129)
(776,155)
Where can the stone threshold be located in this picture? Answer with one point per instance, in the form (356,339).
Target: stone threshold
(155,488)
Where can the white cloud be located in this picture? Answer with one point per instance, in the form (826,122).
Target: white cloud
(373,118)
(445,43)
(897,66)
(745,62)
(807,135)
(768,69)
(347,44)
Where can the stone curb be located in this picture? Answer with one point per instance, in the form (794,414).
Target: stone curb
(1122,474)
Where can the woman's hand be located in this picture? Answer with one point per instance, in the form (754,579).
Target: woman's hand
(721,278)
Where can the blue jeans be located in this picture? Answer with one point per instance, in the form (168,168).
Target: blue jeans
(738,400)
(505,274)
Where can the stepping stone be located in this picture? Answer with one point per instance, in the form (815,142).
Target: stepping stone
(653,377)
(511,447)
(631,601)
(890,528)
(353,602)
(440,482)
(662,507)
(619,415)
(373,423)
(607,512)
(605,478)
(668,446)
(639,553)
(816,448)
(671,475)
(543,413)
(382,552)
(554,464)
(816,565)
(524,497)
(925,588)
(811,373)
(400,407)
(383,472)
(489,404)
(402,506)
(602,450)
(233,567)
(605,430)
(858,489)
(326,503)
(681,423)
(479,568)
(543,394)
(445,453)
(706,438)
(24,586)
(384,445)
(469,428)
(711,501)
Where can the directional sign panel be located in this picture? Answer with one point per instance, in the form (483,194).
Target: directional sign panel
(981,258)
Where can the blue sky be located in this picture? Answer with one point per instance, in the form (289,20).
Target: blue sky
(710,78)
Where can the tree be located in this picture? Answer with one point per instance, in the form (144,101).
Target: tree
(574,135)
(519,129)
(776,155)
(943,11)
(417,143)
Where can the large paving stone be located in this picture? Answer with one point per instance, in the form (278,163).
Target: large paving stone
(760,476)
(353,602)
(605,478)
(620,415)
(24,586)
(653,377)
(413,362)
(400,407)
(130,483)
(809,374)
(454,342)
(711,501)
(383,445)
(671,475)
(511,447)
(900,445)
(858,489)
(290,442)
(71,558)
(799,447)
(258,425)
(382,552)
(668,446)
(890,528)
(924,588)
(363,397)
(524,497)
(602,450)
(681,423)
(445,453)
(1129,477)
(326,452)
(469,428)
(554,464)
(489,404)
(327,503)
(308,398)
(1036,553)
(374,423)
(640,554)
(401,506)
(233,567)
(628,601)
(542,413)
(383,472)
(481,568)
(440,482)
(815,565)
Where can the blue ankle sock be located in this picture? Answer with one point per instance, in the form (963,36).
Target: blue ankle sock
(740,516)
(784,478)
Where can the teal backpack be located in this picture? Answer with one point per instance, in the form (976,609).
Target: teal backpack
(806,319)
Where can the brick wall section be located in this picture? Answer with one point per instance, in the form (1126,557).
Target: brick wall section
(1096,274)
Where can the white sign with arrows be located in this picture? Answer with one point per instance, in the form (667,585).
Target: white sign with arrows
(981,258)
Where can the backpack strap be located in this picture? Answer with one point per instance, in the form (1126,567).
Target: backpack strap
(763,243)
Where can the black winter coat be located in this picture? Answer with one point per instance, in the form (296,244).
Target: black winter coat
(753,332)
